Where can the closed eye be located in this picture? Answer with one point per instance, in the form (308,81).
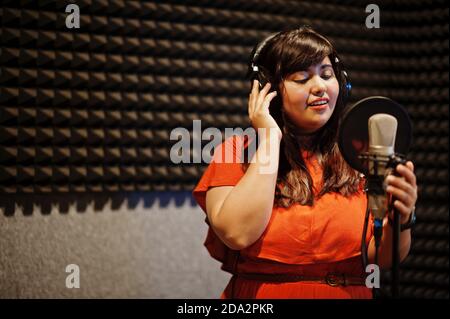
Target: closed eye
(326,76)
(301,81)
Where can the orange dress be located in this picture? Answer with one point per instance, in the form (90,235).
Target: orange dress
(302,240)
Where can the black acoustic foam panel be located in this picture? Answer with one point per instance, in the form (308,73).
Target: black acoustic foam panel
(90,110)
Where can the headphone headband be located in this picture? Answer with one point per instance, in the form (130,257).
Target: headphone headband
(257,51)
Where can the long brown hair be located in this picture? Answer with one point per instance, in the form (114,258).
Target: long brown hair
(286,53)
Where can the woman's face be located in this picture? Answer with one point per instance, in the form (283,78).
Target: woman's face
(309,96)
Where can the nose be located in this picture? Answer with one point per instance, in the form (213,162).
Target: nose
(318,86)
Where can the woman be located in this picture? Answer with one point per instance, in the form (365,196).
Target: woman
(296,232)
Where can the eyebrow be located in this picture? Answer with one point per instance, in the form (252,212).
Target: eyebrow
(323,66)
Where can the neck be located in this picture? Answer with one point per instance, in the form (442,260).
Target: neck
(306,141)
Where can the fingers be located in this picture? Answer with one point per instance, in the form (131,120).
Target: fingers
(407,172)
(269,97)
(402,208)
(262,95)
(410,165)
(401,183)
(403,188)
(252,97)
(406,195)
(259,99)
(255,86)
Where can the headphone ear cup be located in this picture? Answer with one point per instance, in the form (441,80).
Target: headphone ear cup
(254,68)
(346,86)
(263,79)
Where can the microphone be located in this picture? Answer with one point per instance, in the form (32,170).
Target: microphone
(382,129)
(367,140)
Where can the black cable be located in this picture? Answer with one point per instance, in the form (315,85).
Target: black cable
(377,233)
(364,253)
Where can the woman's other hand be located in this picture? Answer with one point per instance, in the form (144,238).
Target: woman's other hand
(404,189)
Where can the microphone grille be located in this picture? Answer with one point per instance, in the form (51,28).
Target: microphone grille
(382,131)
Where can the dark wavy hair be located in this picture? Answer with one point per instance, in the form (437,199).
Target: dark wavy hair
(286,53)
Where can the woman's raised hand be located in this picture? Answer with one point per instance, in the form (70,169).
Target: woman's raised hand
(258,109)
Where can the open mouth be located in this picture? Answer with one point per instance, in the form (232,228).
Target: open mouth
(318,103)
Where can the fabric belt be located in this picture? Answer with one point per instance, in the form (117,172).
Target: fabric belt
(333,280)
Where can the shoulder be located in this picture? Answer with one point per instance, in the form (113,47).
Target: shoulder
(225,168)
(231,150)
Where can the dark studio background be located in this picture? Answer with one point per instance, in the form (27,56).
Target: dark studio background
(86,115)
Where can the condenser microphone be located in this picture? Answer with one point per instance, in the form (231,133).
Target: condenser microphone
(374,137)
(382,129)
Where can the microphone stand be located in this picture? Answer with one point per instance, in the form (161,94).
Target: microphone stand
(395,254)
(394,160)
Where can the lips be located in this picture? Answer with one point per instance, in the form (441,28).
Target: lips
(318,108)
(320,102)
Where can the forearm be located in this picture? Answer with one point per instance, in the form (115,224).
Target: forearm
(246,211)
(385,249)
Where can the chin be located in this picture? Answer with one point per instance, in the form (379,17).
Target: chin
(315,128)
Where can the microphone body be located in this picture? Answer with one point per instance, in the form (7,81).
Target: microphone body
(382,132)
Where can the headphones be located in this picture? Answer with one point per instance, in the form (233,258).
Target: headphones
(261,74)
